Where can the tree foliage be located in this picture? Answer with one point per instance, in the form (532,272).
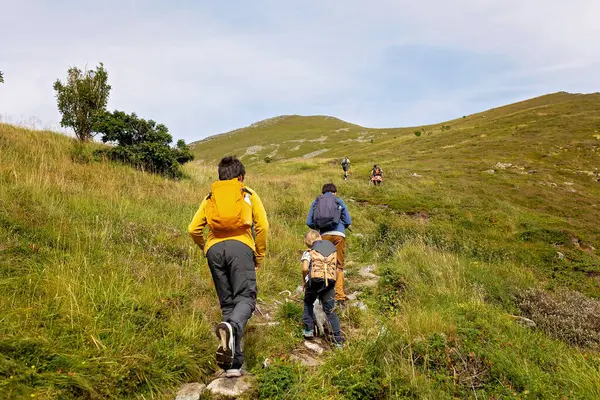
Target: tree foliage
(82,99)
(1,77)
(142,143)
(183,152)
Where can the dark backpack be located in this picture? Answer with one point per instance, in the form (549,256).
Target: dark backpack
(327,212)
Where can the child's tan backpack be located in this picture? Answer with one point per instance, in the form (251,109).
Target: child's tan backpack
(323,262)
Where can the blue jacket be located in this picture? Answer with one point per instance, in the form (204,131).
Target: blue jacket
(345,220)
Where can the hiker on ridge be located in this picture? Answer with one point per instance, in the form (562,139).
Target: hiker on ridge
(319,266)
(376,175)
(329,215)
(235,247)
(346,167)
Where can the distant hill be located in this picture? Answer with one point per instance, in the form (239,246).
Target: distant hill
(294,136)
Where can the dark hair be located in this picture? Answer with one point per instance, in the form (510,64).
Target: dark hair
(329,187)
(230,168)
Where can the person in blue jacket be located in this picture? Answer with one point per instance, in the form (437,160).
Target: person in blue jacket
(336,234)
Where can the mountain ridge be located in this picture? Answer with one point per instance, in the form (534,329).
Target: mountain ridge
(319,135)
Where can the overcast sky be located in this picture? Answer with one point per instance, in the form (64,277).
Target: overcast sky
(205,67)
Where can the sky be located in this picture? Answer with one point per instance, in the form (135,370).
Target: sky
(207,67)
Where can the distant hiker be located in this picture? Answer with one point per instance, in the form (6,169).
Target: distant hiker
(346,166)
(376,175)
(329,215)
(319,273)
(235,247)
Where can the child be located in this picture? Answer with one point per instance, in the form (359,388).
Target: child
(319,274)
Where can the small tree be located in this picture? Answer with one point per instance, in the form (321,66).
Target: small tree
(183,152)
(142,143)
(1,77)
(82,99)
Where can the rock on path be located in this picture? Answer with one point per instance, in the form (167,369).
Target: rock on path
(190,391)
(230,387)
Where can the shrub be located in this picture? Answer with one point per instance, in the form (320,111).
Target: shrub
(277,381)
(267,159)
(142,143)
(392,285)
(566,315)
(362,382)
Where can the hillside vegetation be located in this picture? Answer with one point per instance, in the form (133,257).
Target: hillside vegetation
(103,295)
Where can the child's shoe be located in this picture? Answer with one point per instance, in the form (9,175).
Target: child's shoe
(309,334)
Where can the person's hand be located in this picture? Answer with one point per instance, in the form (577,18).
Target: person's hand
(256,266)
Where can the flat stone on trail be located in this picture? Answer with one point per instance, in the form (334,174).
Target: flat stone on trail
(190,391)
(524,321)
(314,347)
(502,165)
(368,283)
(306,360)
(230,387)
(359,304)
(354,295)
(365,272)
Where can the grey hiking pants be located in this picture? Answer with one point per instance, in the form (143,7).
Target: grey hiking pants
(231,264)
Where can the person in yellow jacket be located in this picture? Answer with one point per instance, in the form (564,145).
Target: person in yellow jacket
(235,247)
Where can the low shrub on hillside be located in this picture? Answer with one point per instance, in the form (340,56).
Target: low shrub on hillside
(566,315)
(278,381)
(392,285)
(142,143)
(360,381)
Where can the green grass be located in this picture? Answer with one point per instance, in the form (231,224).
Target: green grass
(103,294)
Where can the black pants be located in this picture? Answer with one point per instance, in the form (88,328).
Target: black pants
(231,264)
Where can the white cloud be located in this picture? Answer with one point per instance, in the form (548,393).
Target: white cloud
(214,67)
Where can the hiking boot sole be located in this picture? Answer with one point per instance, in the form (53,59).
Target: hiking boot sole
(226,349)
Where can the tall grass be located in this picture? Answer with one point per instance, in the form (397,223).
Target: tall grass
(103,295)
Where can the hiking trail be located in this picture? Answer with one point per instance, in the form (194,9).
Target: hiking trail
(310,353)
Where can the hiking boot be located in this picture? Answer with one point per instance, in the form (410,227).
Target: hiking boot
(233,373)
(226,348)
(308,334)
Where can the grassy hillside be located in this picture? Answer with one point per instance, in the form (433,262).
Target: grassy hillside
(103,295)
(516,182)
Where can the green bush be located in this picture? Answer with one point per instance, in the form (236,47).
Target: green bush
(277,381)
(392,285)
(142,143)
(362,382)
